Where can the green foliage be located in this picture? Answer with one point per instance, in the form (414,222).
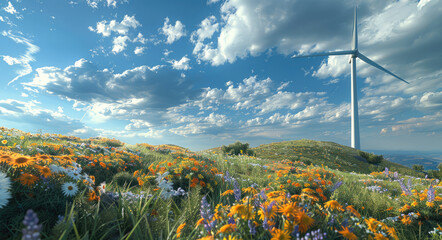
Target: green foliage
(124,179)
(238,148)
(417,167)
(370,157)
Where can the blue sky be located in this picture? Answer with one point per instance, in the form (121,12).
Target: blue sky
(201,74)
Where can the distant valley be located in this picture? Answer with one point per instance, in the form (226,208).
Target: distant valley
(429,160)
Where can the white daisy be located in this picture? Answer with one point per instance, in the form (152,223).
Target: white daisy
(102,188)
(75,175)
(5,195)
(69,189)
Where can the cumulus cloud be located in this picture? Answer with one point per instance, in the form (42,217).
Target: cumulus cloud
(173,32)
(23,60)
(108,3)
(182,64)
(139,50)
(121,28)
(143,92)
(32,113)
(119,44)
(10,9)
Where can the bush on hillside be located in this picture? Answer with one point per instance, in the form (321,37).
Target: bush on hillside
(371,158)
(238,148)
(418,168)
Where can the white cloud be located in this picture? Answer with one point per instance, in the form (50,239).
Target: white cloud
(139,50)
(30,112)
(140,38)
(182,64)
(139,93)
(121,28)
(10,9)
(173,32)
(109,3)
(206,30)
(23,60)
(119,44)
(431,101)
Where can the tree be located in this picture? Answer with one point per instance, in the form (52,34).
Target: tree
(418,168)
(237,148)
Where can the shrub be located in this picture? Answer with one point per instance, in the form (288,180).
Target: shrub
(370,157)
(125,179)
(375,159)
(238,148)
(417,167)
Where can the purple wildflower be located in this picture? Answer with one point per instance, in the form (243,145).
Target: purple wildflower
(336,186)
(395,175)
(430,194)
(32,228)
(236,190)
(409,185)
(252,227)
(227,177)
(206,214)
(404,188)
(386,171)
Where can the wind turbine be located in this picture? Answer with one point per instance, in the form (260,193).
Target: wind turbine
(354,53)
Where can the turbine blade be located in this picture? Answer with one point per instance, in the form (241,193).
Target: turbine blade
(354,42)
(325,54)
(369,61)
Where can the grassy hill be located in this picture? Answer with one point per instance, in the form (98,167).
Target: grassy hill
(62,187)
(329,154)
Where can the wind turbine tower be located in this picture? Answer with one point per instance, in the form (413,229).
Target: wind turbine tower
(354,53)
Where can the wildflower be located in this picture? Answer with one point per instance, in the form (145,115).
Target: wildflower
(5,184)
(278,234)
(179,229)
(267,211)
(27,179)
(228,228)
(252,227)
(430,204)
(336,186)
(352,210)
(74,175)
(236,190)
(347,234)
(4,142)
(45,171)
(289,209)
(333,204)
(21,161)
(69,189)
(430,193)
(32,228)
(386,171)
(227,192)
(304,221)
(406,220)
(92,196)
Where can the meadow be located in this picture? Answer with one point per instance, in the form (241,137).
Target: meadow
(63,187)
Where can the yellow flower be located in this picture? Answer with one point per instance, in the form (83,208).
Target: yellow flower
(4,142)
(22,137)
(179,229)
(289,209)
(228,228)
(304,221)
(406,220)
(21,161)
(354,211)
(227,192)
(27,179)
(278,234)
(430,204)
(333,204)
(345,232)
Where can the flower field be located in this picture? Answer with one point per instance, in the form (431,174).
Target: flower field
(62,187)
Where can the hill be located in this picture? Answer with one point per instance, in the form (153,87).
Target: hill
(62,187)
(329,154)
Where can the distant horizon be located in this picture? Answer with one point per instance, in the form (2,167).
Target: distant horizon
(209,73)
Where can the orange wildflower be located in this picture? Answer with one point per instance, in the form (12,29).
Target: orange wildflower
(27,179)
(345,232)
(179,229)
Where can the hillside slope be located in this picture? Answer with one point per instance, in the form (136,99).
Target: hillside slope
(329,154)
